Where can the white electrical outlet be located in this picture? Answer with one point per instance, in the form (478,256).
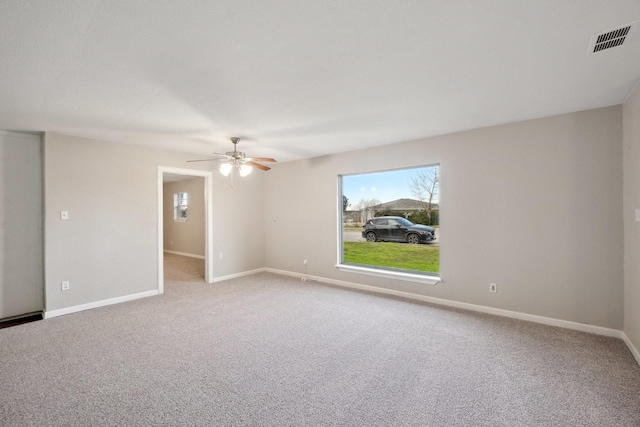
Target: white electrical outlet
(493,287)
(219,255)
(305,262)
(64,286)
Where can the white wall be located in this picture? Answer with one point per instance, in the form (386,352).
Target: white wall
(186,237)
(21,276)
(534,206)
(108,247)
(631,129)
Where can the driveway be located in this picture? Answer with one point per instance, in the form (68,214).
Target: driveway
(352,236)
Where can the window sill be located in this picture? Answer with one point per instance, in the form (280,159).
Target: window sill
(389,274)
(180,220)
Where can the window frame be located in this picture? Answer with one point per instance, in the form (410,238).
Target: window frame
(381,272)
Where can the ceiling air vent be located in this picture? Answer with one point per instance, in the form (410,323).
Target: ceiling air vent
(612,38)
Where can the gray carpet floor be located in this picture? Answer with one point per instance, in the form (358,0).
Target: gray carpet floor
(268,350)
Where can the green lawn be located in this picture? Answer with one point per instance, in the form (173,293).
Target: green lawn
(397,255)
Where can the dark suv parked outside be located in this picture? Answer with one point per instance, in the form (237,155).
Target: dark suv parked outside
(397,229)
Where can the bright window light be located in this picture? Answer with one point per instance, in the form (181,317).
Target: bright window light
(391,220)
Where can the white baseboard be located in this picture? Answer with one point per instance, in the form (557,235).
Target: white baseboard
(632,348)
(96,304)
(473,307)
(184,254)
(125,298)
(241,274)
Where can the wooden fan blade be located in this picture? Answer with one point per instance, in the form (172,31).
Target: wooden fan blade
(257,165)
(261,159)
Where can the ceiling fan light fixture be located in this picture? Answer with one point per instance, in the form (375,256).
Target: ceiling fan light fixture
(237,159)
(225,169)
(245,170)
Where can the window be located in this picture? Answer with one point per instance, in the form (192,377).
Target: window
(180,204)
(390,223)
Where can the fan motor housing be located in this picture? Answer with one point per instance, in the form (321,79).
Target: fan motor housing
(235,154)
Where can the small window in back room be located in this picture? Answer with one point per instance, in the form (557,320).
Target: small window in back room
(180,204)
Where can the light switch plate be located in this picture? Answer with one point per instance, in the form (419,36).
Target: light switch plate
(64,215)
(637,214)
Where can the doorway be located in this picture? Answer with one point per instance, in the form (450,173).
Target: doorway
(167,173)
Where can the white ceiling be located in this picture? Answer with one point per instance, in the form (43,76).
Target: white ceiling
(299,79)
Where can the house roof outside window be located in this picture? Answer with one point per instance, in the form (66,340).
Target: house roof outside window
(404,205)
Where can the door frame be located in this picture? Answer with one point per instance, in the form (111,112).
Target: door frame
(208,208)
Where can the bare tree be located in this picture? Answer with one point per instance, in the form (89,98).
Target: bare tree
(363,206)
(425,187)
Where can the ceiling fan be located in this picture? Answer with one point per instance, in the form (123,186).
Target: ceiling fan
(238,160)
